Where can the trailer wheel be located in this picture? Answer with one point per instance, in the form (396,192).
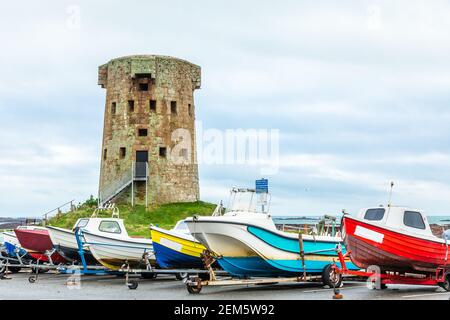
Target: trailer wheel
(132,284)
(2,275)
(181,276)
(194,289)
(331,278)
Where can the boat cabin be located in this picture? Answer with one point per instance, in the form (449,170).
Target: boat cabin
(108,226)
(181,227)
(245,200)
(400,218)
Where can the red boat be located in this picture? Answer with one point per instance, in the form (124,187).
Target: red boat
(394,239)
(36,241)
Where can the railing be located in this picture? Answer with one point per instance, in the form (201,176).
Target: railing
(137,172)
(57,210)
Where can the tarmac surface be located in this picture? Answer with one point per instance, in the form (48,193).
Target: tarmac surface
(54,286)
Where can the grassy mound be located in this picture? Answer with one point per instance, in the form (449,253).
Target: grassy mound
(137,219)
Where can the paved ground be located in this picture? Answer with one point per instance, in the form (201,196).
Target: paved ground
(51,286)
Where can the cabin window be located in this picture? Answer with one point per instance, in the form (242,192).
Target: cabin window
(109,226)
(374,214)
(82,223)
(413,219)
(153,105)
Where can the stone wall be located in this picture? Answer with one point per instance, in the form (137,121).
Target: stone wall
(142,79)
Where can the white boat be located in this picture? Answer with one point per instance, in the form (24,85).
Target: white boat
(247,243)
(65,242)
(110,244)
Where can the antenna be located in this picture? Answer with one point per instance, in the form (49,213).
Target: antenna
(390,195)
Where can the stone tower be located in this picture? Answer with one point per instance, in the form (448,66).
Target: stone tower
(149,148)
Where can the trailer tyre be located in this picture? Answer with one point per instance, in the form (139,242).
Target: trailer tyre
(181,276)
(193,289)
(132,284)
(331,278)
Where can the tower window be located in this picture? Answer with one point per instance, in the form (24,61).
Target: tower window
(122,152)
(153,105)
(173,107)
(143,86)
(113,108)
(163,152)
(130,106)
(105,153)
(190,109)
(142,132)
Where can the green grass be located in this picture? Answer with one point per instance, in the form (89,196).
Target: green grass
(137,219)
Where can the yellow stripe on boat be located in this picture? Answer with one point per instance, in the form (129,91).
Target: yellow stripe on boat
(188,247)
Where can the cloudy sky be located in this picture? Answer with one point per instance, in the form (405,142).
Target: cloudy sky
(358,89)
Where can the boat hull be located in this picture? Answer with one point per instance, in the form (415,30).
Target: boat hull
(174,250)
(37,243)
(253,250)
(114,253)
(11,244)
(391,250)
(65,243)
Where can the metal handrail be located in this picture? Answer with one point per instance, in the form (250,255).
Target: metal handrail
(45,215)
(116,187)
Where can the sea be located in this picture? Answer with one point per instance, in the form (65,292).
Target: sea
(302,220)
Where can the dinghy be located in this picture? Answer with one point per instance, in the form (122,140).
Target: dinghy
(394,239)
(36,241)
(176,248)
(109,243)
(247,243)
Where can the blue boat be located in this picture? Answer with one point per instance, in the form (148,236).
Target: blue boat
(249,245)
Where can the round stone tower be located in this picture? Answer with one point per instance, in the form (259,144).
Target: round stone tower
(149,148)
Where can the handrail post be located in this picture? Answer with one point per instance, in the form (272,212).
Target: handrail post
(146,185)
(132,184)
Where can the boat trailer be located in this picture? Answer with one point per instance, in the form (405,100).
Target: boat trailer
(379,280)
(15,264)
(194,284)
